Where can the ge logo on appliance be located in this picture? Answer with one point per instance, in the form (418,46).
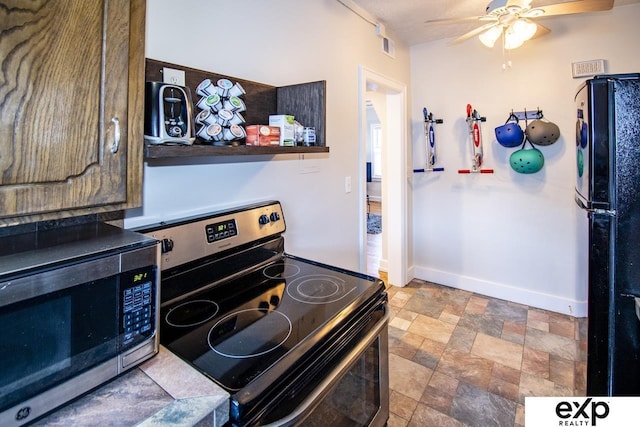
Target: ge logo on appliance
(23,413)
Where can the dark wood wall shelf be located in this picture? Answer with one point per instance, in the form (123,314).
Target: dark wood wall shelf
(305,101)
(171,151)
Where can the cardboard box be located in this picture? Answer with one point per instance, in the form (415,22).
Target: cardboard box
(287,128)
(262,135)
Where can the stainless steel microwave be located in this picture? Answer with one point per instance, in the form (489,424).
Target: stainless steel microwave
(78,306)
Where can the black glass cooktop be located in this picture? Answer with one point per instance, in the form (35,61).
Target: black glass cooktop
(236,331)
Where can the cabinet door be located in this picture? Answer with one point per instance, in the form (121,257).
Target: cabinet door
(63,104)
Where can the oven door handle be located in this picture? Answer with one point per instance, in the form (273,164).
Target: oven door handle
(336,374)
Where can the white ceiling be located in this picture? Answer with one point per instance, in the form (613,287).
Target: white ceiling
(406,18)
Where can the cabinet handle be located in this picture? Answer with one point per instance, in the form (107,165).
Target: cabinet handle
(116,135)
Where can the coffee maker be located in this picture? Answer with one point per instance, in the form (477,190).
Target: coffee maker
(168,117)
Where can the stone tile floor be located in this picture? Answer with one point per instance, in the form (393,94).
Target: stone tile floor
(462,359)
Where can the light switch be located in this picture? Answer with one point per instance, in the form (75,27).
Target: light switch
(347,184)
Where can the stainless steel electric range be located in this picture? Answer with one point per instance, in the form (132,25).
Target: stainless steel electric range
(294,342)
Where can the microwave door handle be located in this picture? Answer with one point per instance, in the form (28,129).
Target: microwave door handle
(49,281)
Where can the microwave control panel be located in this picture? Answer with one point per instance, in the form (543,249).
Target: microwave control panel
(138,306)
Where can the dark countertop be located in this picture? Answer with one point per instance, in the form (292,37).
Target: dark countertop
(164,391)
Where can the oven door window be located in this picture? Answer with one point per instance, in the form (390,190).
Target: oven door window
(355,399)
(353,392)
(50,338)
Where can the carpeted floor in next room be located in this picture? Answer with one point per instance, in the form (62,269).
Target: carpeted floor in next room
(374,224)
(459,358)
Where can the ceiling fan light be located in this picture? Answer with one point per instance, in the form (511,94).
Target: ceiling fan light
(518,32)
(524,29)
(512,39)
(489,37)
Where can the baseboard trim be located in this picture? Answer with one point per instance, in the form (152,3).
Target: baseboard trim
(528,297)
(384,265)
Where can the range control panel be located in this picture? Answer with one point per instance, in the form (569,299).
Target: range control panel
(221,230)
(192,238)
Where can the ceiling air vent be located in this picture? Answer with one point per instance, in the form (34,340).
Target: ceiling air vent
(389,47)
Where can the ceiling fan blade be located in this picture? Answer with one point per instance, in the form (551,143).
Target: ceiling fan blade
(454,20)
(541,30)
(579,6)
(473,33)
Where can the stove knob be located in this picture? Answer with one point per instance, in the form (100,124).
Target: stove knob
(263,219)
(275,216)
(274,300)
(166,245)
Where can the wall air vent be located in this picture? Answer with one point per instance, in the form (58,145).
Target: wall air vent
(389,47)
(587,68)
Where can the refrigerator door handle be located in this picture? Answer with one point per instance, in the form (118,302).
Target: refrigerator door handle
(584,207)
(581,204)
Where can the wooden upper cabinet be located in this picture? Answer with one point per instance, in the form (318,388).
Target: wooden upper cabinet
(71,107)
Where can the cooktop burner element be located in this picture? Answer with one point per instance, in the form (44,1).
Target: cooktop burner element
(260,319)
(318,289)
(239,334)
(282,270)
(191,313)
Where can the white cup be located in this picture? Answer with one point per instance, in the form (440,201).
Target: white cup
(206,88)
(206,117)
(234,132)
(224,85)
(215,131)
(237,119)
(203,134)
(224,117)
(237,90)
(211,102)
(234,104)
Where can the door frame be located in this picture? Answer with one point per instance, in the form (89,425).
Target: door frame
(395,210)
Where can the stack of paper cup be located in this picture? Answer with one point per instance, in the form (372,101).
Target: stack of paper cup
(220,106)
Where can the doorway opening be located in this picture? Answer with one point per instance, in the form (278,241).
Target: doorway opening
(389,99)
(374,102)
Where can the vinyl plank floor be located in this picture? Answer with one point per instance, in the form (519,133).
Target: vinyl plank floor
(463,359)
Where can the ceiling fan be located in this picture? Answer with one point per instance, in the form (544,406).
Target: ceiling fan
(514,20)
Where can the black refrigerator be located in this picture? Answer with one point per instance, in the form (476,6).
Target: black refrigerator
(608,193)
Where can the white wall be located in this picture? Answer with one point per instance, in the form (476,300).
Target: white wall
(505,234)
(508,235)
(278,42)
